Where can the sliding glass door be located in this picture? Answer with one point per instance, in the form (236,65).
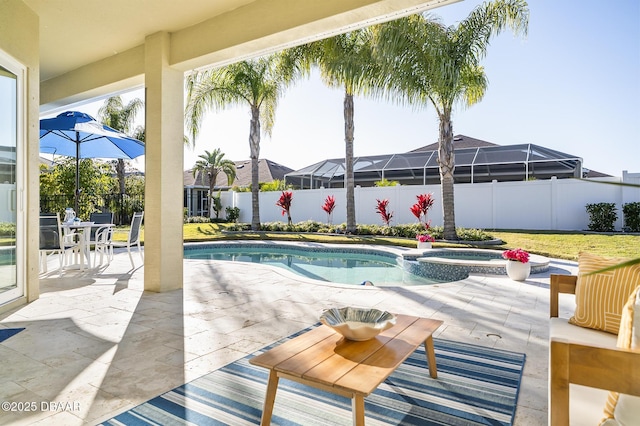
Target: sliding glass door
(11,136)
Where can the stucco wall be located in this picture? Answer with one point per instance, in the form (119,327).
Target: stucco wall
(19,28)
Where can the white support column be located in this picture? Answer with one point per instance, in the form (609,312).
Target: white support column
(163,167)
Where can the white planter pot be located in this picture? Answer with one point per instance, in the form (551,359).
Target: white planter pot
(518,271)
(425,245)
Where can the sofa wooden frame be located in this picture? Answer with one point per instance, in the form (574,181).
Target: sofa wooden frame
(571,363)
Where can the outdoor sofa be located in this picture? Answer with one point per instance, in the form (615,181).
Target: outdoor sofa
(585,361)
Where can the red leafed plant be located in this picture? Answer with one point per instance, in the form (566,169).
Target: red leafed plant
(517,255)
(425,238)
(285,204)
(328,206)
(381,208)
(421,208)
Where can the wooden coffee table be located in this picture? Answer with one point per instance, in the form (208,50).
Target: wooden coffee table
(323,359)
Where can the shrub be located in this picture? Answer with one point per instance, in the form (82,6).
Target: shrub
(274,185)
(217,204)
(197,219)
(472,234)
(631,215)
(384,182)
(233,213)
(240,227)
(401,231)
(602,217)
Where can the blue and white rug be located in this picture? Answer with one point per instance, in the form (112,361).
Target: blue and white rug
(5,333)
(475,386)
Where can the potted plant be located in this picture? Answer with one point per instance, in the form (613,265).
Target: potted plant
(518,266)
(424,241)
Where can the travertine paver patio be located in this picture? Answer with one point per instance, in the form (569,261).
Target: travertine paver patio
(100,345)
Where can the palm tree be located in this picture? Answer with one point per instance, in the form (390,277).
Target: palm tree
(346,61)
(121,117)
(214,163)
(256,83)
(428,62)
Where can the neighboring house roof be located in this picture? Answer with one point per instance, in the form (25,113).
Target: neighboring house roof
(459,142)
(267,171)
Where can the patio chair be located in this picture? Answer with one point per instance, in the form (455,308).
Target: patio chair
(103,244)
(53,240)
(98,218)
(133,238)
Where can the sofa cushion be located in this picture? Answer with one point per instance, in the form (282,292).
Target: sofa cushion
(622,409)
(600,297)
(561,330)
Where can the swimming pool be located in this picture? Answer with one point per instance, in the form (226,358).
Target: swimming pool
(343,264)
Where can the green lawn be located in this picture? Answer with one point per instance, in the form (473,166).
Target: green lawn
(561,245)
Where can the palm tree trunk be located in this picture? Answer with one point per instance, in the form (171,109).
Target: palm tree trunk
(447,165)
(120,175)
(210,198)
(348,158)
(213,177)
(254,144)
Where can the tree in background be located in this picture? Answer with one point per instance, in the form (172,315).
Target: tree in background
(122,117)
(58,181)
(256,83)
(212,164)
(428,62)
(345,61)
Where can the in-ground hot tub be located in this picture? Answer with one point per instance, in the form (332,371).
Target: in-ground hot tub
(457,263)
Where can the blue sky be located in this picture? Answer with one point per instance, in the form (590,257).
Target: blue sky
(573,85)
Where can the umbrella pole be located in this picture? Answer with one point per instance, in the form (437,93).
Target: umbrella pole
(77,194)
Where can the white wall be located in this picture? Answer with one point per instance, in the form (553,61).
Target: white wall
(555,204)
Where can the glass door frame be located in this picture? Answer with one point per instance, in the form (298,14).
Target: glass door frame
(20,71)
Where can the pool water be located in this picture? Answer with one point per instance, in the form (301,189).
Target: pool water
(332,266)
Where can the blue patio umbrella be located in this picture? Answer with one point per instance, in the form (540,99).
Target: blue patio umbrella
(76,134)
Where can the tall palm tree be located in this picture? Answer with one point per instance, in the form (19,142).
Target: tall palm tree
(121,117)
(428,62)
(214,163)
(256,83)
(345,61)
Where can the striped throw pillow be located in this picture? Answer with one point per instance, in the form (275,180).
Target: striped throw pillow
(622,409)
(600,297)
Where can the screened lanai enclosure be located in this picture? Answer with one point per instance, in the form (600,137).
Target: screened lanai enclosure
(472,165)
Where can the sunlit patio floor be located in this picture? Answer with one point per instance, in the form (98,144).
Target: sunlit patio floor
(99,344)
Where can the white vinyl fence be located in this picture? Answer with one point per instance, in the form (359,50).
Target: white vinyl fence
(555,204)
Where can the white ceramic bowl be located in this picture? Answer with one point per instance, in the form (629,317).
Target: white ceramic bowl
(357,323)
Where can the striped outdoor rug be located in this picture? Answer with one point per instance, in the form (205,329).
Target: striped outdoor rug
(475,386)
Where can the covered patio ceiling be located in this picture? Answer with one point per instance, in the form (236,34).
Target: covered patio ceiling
(82,38)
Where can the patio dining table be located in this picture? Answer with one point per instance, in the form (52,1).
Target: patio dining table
(84,229)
